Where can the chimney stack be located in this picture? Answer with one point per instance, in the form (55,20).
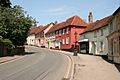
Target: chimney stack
(90,17)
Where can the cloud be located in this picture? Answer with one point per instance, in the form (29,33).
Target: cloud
(56,11)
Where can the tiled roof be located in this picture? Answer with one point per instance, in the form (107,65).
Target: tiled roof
(32,30)
(98,24)
(41,28)
(56,27)
(75,21)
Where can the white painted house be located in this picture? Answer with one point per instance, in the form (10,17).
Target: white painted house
(50,40)
(93,40)
(31,36)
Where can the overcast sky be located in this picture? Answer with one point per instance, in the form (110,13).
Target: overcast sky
(46,11)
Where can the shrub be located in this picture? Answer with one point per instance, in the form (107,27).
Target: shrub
(8,43)
(1,39)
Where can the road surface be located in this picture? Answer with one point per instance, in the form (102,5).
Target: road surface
(39,64)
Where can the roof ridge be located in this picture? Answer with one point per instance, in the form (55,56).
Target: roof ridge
(97,24)
(73,19)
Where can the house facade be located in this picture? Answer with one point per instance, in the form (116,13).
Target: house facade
(61,36)
(31,36)
(40,38)
(50,40)
(114,37)
(93,40)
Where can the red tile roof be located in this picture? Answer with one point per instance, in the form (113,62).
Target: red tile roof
(56,27)
(75,21)
(98,24)
(41,28)
(32,30)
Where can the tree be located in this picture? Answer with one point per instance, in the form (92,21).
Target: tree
(14,24)
(5,3)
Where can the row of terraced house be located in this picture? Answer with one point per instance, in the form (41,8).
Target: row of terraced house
(101,37)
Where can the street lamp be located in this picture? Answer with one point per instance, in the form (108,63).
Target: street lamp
(75,49)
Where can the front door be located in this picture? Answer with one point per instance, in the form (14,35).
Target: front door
(94,47)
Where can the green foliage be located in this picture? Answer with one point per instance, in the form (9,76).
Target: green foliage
(1,39)
(14,24)
(8,43)
(5,3)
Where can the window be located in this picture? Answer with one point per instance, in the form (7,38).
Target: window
(84,36)
(67,30)
(67,40)
(63,31)
(50,34)
(60,32)
(42,34)
(119,44)
(53,34)
(42,41)
(101,46)
(63,41)
(101,32)
(56,33)
(95,34)
(111,27)
(119,38)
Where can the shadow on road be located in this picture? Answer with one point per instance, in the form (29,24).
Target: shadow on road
(117,66)
(27,53)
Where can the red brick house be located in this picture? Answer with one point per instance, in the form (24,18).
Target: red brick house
(62,35)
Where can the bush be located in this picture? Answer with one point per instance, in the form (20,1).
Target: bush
(8,43)
(1,39)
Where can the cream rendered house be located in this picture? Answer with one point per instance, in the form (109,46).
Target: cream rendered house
(93,40)
(31,36)
(50,40)
(31,39)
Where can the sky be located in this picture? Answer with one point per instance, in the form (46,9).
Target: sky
(46,11)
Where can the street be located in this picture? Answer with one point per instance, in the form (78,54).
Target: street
(38,64)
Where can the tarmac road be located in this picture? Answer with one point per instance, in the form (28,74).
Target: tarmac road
(39,64)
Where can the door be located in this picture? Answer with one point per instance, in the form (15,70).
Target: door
(94,47)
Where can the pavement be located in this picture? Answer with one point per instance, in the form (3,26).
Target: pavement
(8,58)
(90,67)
